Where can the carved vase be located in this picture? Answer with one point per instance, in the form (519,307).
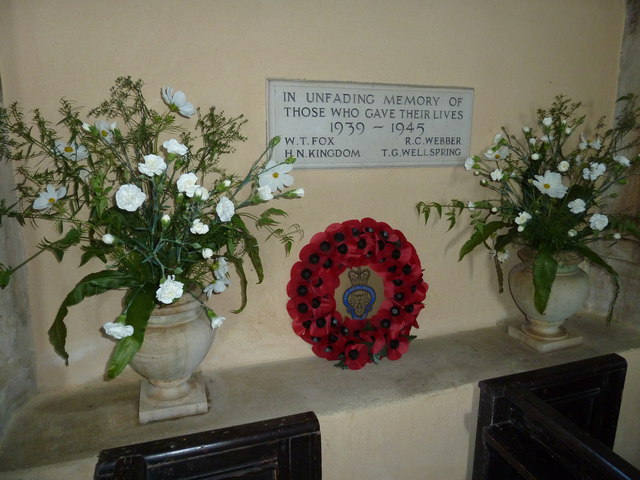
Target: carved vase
(568,293)
(177,339)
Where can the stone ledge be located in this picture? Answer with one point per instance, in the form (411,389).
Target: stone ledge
(56,434)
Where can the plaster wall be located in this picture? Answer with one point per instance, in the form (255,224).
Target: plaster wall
(516,55)
(17,361)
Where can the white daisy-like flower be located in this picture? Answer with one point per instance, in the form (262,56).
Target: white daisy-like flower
(105,129)
(598,221)
(153,165)
(596,144)
(198,227)
(577,206)
(497,153)
(594,171)
(173,146)
(177,101)
(169,290)
(50,196)
(276,175)
(550,184)
(225,209)
(129,197)
(72,151)
(117,330)
(221,268)
(187,184)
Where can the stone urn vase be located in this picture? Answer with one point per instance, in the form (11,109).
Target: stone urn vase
(177,339)
(546,331)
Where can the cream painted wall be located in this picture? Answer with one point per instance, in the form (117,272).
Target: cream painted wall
(516,55)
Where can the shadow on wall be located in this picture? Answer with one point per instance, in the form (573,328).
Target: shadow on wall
(17,361)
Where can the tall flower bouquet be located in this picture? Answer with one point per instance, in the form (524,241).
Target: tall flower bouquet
(147,197)
(551,194)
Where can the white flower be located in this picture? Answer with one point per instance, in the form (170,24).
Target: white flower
(497,175)
(165,220)
(169,290)
(187,184)
(216,322)
(173,146)
(501,255)
(622,160)
(199,228)
(129,197)
(547,138)
(572,233)
(550,184)
(617,236)
(547,121)
(153,165)
(117,330)
(105,130)
(178,101)
(108,239)
(563,166)
(596,144)
(584,144)
(225,209)
(71,150)
(50,196)
(535,156)
(567,131)
(265,193)
(207,253)
(201,193)
(471,206)
(494,210)
(469,163)
(497,153)
(522,218)
(594,171)
(598,221)
(497,138)
(526,129)
(276,175)
(220,286)
(577,206)
(298,192)
(532,141)
(221,269)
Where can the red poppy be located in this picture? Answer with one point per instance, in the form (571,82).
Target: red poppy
(356,356)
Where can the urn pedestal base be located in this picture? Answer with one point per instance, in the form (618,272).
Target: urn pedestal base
(190,398)
(541,345)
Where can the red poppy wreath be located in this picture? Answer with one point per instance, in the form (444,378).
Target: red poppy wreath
(373,323)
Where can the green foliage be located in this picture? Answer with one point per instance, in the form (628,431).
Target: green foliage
(171,186)
(549,195)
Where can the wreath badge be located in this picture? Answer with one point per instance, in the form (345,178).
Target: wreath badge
(358,336)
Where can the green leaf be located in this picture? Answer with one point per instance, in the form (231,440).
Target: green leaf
(544,273)
(140,303)
(251,247)
(479,236)
(237,263)
(60,246)
(593,257)
(92,284)
(5,276)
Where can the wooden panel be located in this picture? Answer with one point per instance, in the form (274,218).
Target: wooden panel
(558,422)
(285,448)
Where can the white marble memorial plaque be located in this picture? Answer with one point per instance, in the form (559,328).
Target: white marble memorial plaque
(333,125)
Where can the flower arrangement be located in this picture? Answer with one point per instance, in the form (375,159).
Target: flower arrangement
(147,197)
(549,194)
